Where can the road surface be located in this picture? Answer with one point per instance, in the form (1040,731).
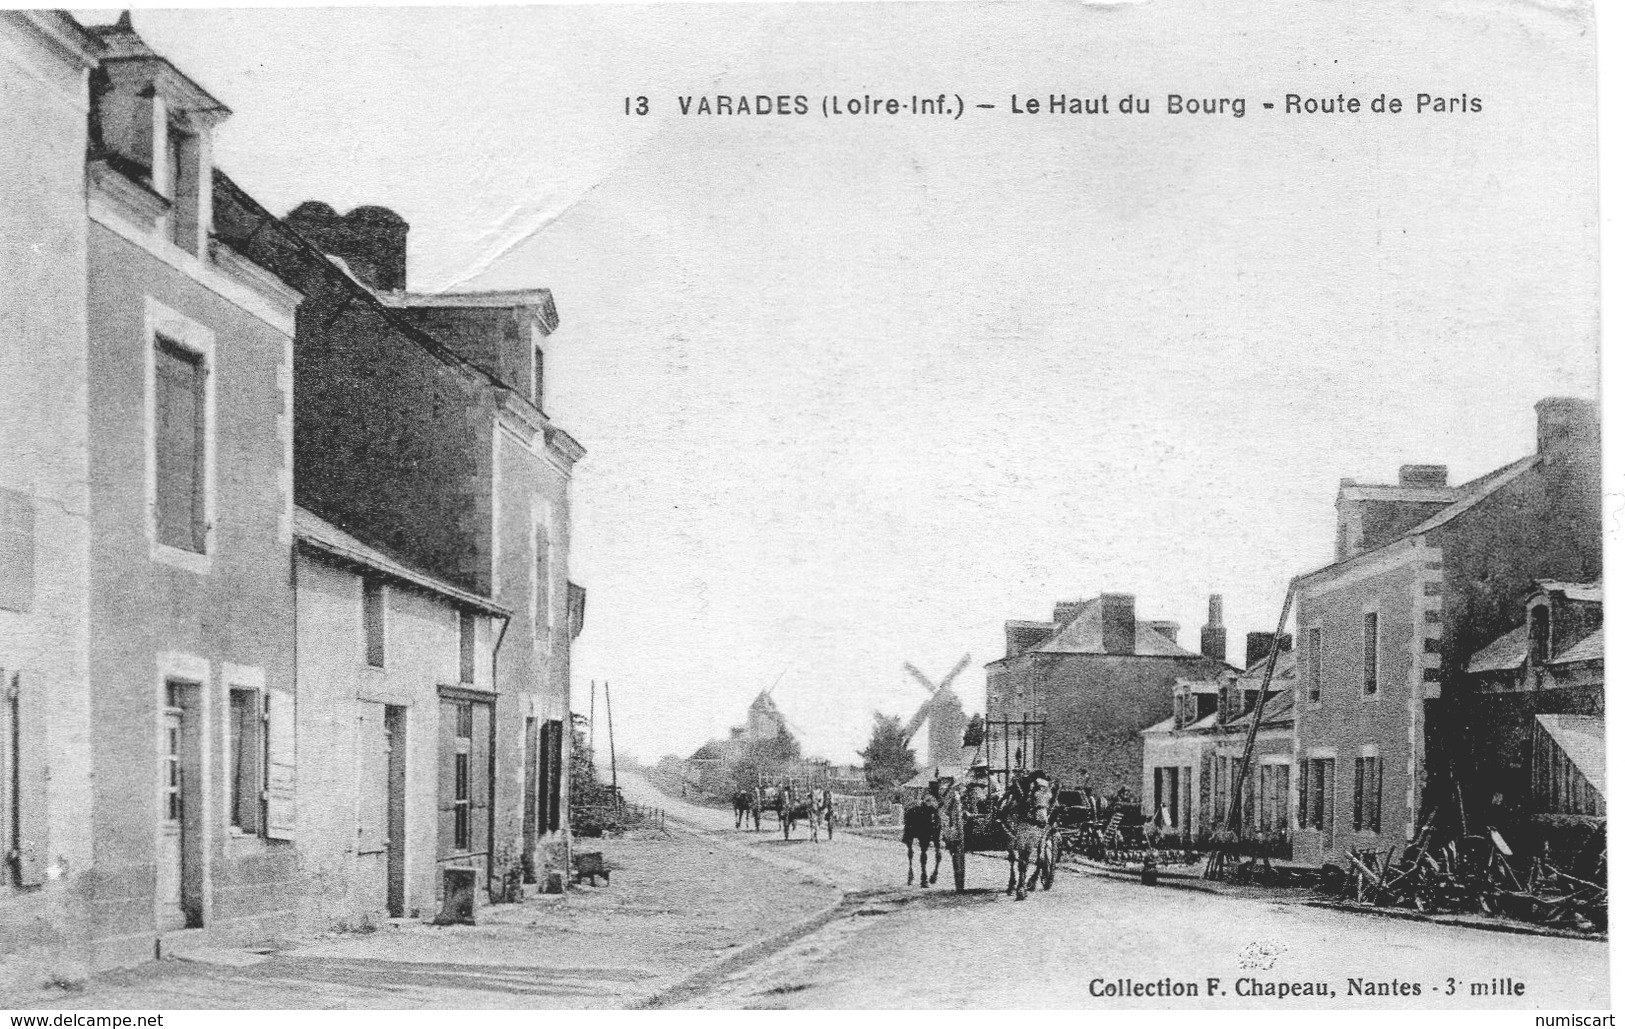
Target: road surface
(1099,941)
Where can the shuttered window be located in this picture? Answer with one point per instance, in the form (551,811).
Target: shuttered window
(555,773)
(1311,664)
(465,647)
(1322,782)
(280,812)
(372,621)
(245,753)
(1368,793)
(1370,641)
(16,551)
(179,445)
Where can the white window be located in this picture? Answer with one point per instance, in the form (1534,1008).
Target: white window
(180,428)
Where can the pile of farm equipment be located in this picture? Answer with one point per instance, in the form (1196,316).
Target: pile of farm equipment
(1481,874)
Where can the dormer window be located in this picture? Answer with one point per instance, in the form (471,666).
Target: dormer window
(151,125)
(1540,634)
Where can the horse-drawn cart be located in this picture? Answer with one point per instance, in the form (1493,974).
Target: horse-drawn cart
(988,834)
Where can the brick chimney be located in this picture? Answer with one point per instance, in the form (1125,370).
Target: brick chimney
(1213,635)
(370,240)
(1117,623)
(1258,646)
(1566,425)
(1168,629)
(1432,475)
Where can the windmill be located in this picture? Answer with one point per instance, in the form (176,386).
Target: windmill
(945,740)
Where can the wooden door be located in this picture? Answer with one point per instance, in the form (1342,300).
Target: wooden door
(395,804)
(372,809)
(170,822)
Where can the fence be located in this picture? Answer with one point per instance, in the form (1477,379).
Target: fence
(613,819)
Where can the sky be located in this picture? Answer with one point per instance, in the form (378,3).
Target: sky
(855,391)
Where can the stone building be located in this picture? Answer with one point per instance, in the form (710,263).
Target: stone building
(1191,757)
(396,683)
(190,380)
(1428,575)
(46,847)
(1094,676)
(420,430)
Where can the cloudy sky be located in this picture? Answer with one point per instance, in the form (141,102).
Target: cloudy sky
(855,391)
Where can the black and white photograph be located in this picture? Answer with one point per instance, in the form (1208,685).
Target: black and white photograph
(1092,506)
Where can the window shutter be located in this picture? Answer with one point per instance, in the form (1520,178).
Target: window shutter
(1359,792)
(33,781)
(371,824)
(479,780)
(280,808)
(1376,796)
(1303,794)
(555,757)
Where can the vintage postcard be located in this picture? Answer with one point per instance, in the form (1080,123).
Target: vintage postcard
(830,506)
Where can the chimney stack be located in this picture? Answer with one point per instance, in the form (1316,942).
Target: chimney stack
(1258,646)
(1213,636)
(1427,475)
(370,240)
(1566,426)
(1117,623)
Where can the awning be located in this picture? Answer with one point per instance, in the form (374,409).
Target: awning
(1582,741)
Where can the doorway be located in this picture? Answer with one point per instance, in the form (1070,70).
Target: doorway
(395,791)
(180,802)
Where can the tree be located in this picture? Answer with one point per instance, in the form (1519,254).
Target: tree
(888,760)
(975,731)
(768,757)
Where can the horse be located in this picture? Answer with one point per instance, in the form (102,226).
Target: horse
(824,808)
(922,822)
(1027,811)
(748,804)
(791,812)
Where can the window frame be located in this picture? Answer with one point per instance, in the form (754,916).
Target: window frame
(1371,653)
(542,590)
(467,647)
(165,325)
(256,749)
(374,589)
(1314,683)
(11,778)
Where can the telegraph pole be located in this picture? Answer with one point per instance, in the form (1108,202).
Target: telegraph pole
(609,713)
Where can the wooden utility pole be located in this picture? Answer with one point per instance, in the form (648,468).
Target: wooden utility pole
(592,716)
(1215,861)
(609,714)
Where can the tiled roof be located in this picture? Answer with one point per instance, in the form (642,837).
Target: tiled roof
(1588,649)
(1083,635)
(1504,654)
(1582,740)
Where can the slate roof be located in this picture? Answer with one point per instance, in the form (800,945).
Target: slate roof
(1588,649)
(1504,654)
(1286,670)
(1083,635)
(321,535)
(1475,492)
(1582,740)
(1590,592)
